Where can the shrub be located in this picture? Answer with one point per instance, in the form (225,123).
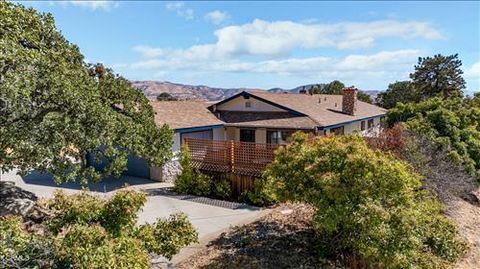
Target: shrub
(81,208)
(191,181)
(263,193)
(165,237)
(368,203)
(19,249)
(222,189)
(119,214)
(93,247)
(89,232)
(452,124)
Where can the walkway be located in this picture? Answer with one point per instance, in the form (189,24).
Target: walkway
(210,217)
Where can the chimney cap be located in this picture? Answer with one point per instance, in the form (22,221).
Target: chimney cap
(351,88)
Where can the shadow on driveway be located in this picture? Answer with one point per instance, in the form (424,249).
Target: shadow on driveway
(105,185)
(168,192)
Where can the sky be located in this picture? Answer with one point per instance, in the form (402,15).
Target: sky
(271,44)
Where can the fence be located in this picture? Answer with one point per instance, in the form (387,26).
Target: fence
(239,162)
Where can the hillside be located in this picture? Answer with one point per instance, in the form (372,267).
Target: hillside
(186,92)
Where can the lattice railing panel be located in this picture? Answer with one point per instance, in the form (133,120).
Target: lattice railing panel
(243,158)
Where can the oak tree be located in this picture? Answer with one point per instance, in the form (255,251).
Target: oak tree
(55,108)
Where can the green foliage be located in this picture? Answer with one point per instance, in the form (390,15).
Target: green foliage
(119,214)
(453,124)
(368,203)
(263,193)
(88,232)
(82,208)
(222,189)
(438,76)
(19,249)
(165,237)
(165,96)
(56,108)
(336,87)
(191,181)
(398,92)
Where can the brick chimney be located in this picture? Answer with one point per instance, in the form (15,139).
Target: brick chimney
(349,101)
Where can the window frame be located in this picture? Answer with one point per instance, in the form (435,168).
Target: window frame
(341,130)
(370,123)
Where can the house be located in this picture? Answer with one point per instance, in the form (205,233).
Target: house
(264,117)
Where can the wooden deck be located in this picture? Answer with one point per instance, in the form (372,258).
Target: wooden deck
(239,162)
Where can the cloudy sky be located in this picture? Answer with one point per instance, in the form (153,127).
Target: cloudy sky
(271,44)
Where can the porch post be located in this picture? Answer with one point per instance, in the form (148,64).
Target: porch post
(232,156)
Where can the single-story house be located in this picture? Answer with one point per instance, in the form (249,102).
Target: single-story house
(264,117)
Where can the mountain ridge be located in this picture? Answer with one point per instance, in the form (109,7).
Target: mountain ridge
(152,89)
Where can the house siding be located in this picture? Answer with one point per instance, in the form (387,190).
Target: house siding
(238,104)
(355,126)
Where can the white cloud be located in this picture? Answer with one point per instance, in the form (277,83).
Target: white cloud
(281,38)
(381,62)
(149,52)
(263,47)
(180,9)
(92,5)
(217,16)
(473,71)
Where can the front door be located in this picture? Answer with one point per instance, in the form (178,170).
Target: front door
(247,135)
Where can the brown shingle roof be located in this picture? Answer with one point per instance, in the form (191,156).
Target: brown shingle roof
(266,119)
(321,107)
(183,114)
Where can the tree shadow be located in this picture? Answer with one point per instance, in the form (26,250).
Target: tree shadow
(105,185)
(168,192)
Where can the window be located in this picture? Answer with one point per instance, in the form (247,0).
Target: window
(278,136)
(337,130)
(247,135)
(248,104)
(370,123)
(362,125)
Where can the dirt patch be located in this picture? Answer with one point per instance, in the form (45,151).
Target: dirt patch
(282,239)
(467,217)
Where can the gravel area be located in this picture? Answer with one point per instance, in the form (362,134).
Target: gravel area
(264,243)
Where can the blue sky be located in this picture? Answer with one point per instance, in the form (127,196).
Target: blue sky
(271,44)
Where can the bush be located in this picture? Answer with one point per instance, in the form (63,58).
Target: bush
(368,203)
(222,189)
(191,181)
(89,232)
(92,247)
(452,124)
(263,193)
(165,237)
(19,249)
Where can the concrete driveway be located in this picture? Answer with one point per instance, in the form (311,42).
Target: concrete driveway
(210,217)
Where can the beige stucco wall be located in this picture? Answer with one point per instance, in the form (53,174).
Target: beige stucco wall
(218,134)
(230,133)
(356,126)
(261,135)
(176,142)
(238,104)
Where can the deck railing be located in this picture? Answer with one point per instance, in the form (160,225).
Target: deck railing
(242,158)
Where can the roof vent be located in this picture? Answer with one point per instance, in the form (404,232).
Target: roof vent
(319,100)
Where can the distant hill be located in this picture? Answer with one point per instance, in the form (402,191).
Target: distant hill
(187,92)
